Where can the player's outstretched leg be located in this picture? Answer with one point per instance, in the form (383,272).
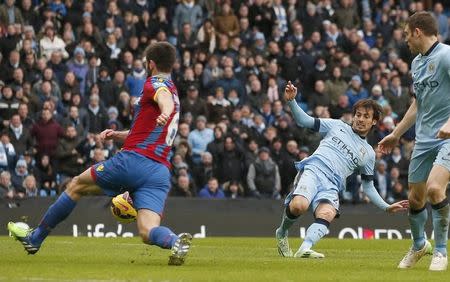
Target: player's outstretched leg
(440,214)
(161,236)
(56,213)
(281,234)
(314,233)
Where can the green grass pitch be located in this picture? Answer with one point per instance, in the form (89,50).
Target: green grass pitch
(210,259)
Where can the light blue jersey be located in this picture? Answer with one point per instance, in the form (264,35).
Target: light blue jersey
(431,77)
(340,153)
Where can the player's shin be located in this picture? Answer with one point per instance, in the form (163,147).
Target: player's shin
(314,233)
(55,214)
(288,219)
(417,220)
(440,215)
(162,236)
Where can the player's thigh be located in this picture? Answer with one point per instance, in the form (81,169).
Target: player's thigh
(326,203)
(305,189)
(82,185)
(326,211)
(151,192)
(146,221)
(421,164)
(437,183)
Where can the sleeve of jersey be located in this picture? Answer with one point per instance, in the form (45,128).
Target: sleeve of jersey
(157,87)
(368,169)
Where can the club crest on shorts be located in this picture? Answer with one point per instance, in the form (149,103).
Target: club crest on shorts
(100,168)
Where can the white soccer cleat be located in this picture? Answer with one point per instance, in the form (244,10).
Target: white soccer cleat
(283,245)
(308,254)
(412,257)
(439,262)
(180,249)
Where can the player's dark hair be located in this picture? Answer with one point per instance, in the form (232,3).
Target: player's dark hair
(423,21)
(369,104)
(163,54)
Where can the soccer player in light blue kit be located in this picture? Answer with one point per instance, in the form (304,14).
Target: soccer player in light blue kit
(342,151)
(429,169)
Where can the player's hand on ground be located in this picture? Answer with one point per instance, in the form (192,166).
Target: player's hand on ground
(107,134)
(162,119)
(398,206)
(290,92)
(388,143)
(444,132)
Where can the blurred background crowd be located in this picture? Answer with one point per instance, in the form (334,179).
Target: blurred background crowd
(70,69)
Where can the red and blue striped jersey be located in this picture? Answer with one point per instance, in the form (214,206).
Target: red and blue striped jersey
(145,136)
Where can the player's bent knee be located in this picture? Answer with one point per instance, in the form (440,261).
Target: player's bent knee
(327,214)
(435,192)
(416,202)
(74,188)
(298,205)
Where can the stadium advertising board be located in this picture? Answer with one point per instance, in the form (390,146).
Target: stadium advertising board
(206,218)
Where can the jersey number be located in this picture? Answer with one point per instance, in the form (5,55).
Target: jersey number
(172,130)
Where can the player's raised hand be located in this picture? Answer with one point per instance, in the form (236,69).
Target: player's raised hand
(388,143)
(162,119)
(444,132)
(290,91)
(398,206)
(107,134)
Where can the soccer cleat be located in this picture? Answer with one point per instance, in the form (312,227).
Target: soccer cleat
(439,262)
(283,245)
(180,249)
(308,254)
(412,257)
(22,234)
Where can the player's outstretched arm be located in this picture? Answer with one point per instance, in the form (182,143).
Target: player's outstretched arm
(108,134)
(166,106)
(388,143)
(376,199)
(301,118)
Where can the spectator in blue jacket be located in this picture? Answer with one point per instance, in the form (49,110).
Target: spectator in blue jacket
(212,190)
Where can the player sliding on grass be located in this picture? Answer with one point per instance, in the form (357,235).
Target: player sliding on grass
(342,151)
(142,166)
(429,169)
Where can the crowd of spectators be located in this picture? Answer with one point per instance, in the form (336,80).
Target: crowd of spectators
(70,69)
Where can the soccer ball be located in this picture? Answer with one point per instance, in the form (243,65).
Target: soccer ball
(122,208)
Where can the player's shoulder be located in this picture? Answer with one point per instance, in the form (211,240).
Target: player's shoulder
(158,82)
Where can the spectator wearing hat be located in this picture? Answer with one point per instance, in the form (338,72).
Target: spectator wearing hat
(19,174)
(377,95)
(263,177)
(194,104)
(199,138)
(19,135)
(355,91)
(51,42)
(79,67)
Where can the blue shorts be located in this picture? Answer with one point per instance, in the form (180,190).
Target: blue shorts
(423,160)
(316,188)
(148,181)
